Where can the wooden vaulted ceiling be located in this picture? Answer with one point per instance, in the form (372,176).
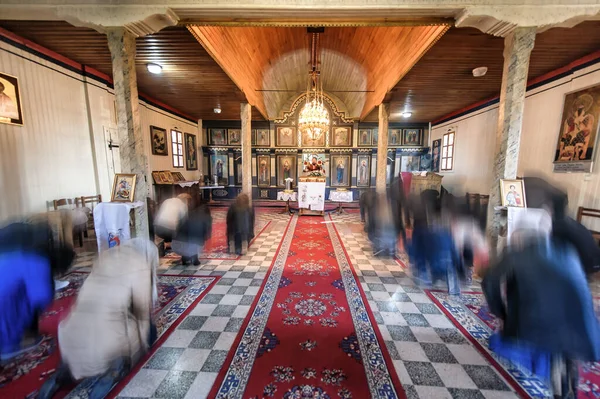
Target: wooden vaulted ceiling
(359,65)
(439,83)
(442,81)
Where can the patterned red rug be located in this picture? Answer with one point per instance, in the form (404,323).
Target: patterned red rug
(471,315)
(309,333)
(23,376)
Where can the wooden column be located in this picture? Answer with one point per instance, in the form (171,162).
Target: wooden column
(246,117)
(382,146)
(517,49)
(121,43)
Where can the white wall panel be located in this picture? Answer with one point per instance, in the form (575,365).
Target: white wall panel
(475,142)
(61,151)
(474,151)
(50,156)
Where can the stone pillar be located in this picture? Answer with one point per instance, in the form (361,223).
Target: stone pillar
(121,43)
(517,49)
(382,146)
(246,117)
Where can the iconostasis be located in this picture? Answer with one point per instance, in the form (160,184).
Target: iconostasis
(347,153)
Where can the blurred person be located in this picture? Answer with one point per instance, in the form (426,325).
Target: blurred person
(192,234)
(399,207)
(469,241)
(382,228)
(240,225)
(29,260)
(539,291)
(110,326)
(170,215)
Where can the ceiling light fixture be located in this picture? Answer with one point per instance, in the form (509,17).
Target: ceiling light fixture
(154,68)
(406,114)
(479,72)
(314,118)
(217,110)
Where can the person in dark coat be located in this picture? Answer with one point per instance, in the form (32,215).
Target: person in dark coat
(399,206)
(192,233)
(548,304)
(29,259)
(240,224)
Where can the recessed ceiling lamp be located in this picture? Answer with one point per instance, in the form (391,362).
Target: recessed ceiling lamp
(217,110)
(154,68)
(406,114)
(479,72)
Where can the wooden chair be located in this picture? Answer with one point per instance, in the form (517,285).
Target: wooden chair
(89,202)
(589,212)
(69,202)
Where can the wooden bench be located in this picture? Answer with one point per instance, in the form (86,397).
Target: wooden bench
(589,212)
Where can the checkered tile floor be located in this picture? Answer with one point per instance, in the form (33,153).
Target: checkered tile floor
(431,357)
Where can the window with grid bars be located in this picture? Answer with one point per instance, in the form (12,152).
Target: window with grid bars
(177,144)
(447,152)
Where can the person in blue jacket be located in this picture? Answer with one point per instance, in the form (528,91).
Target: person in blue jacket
(28,261)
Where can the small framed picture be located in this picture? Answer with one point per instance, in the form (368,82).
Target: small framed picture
(412,137)
(364,137)
(10,100)
(363,171)
(217,137)
(286,136)
(263,138)
(157,178)
(394,137)
(341,136)
(264,170)
(234,136)
(191,150)
(513,193)
(123,187)
(375,137)
(158,140)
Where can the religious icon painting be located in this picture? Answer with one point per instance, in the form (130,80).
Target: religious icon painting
(263,170)
(253,137)
(314,164)
(217,137)
(578,131)
(263,138)
(10,100)
(410,163)
(309,140)
(123,187)
(234,136)
(286,136)
(237,171)
(286,169)
(218,168)
(363,171)
(513,193)
(340,171)
(191,152)
(394,137)
(375,137)
(178,176)
(436,153)
(412,137)
(341,136)
(157,178)
(158,141)
(364,137)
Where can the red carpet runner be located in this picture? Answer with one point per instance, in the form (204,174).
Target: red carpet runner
(309,334)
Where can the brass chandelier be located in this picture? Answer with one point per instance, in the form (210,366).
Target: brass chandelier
(313,119)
